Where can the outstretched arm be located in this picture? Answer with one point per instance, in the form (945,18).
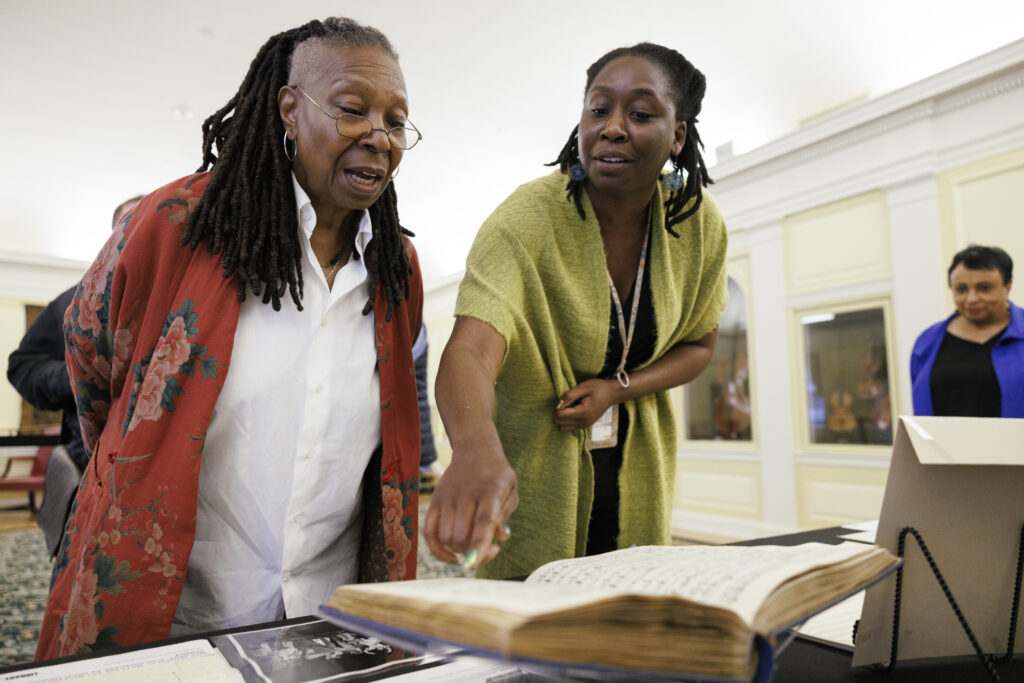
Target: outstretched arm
(477,492)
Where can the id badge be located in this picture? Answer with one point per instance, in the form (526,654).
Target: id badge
(605,432)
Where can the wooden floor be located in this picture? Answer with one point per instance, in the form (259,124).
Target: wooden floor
(14,513)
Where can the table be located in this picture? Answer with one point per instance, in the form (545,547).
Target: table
(805,661)
(802,661)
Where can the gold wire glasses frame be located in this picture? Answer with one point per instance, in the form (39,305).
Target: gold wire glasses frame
(358,127)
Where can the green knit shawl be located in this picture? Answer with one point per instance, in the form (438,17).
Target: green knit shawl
(537,274)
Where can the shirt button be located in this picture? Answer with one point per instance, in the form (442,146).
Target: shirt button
(323,322)
(318,389)
(308,455)
(296,517)
(285,576)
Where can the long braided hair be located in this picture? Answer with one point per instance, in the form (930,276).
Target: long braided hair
(247,213)
(688,85)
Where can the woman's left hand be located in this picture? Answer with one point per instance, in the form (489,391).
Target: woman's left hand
(582,405)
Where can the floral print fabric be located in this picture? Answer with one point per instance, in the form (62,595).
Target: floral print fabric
(149,337)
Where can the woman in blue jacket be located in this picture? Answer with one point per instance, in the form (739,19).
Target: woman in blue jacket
(972,363)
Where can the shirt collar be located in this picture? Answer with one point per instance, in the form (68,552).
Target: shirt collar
(307,218)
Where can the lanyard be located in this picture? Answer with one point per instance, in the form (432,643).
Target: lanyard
(627,337)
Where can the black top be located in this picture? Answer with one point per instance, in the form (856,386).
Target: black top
(963,379)
(644,335)
(604,517)
(37,371)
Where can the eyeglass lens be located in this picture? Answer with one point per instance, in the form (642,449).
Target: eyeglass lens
(358,127)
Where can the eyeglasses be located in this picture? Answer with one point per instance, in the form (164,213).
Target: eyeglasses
(358,127)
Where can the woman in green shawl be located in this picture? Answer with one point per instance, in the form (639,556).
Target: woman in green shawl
(583,303)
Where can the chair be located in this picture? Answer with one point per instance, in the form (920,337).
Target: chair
(31,482)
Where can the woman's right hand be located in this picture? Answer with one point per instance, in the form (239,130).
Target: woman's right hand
(477,493)
(470,505)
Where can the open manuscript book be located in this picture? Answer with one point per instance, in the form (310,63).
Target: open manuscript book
(696,610)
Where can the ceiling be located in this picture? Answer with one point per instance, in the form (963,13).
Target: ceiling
(104,99)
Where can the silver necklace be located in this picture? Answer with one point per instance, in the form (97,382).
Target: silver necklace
(333,264)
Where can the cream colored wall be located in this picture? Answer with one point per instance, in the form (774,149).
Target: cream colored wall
(12,327)
(710,487)
(25,280)
(841,243)
(863,208)
(983,202)
(438,308)
(828,496)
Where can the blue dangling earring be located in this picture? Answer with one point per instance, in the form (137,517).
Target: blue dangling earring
(674,180)
(576,171)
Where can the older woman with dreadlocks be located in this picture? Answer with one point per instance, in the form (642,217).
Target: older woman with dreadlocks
(242,358)
(582,304)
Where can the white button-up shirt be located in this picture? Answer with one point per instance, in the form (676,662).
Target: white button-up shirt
(280,497)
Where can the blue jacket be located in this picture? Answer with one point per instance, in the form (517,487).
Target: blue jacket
(1007,358)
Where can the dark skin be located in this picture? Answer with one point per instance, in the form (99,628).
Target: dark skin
(627,131)
(982,302)
(342,176)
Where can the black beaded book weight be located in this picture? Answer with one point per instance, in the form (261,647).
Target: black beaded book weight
(953,511)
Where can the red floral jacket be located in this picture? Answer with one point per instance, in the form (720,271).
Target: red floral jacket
(149,337)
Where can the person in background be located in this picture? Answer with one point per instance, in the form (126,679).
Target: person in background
(37,370)
(582,304)
(972,363)
(428,452)
(241,352)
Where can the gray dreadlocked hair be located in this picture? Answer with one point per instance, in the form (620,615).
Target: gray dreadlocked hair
(247,213)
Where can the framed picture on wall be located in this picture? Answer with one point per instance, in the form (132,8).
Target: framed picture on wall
(844,372)
(717,404)
(35,420)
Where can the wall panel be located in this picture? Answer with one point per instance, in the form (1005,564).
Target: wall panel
(837,244)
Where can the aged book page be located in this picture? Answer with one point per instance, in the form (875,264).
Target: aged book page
(737,578)
(684,608)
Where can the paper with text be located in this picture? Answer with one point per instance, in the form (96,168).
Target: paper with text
(738,578)
(195,660)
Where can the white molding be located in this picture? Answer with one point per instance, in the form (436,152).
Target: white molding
(834,142)
(900,107)
(870,289)
(731,527)
(981,92)
(765,232)
(911,191)
(23,258)
(869,461)
(900,138)
(35,278)
(878,176)
(981,147)
(727,452)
